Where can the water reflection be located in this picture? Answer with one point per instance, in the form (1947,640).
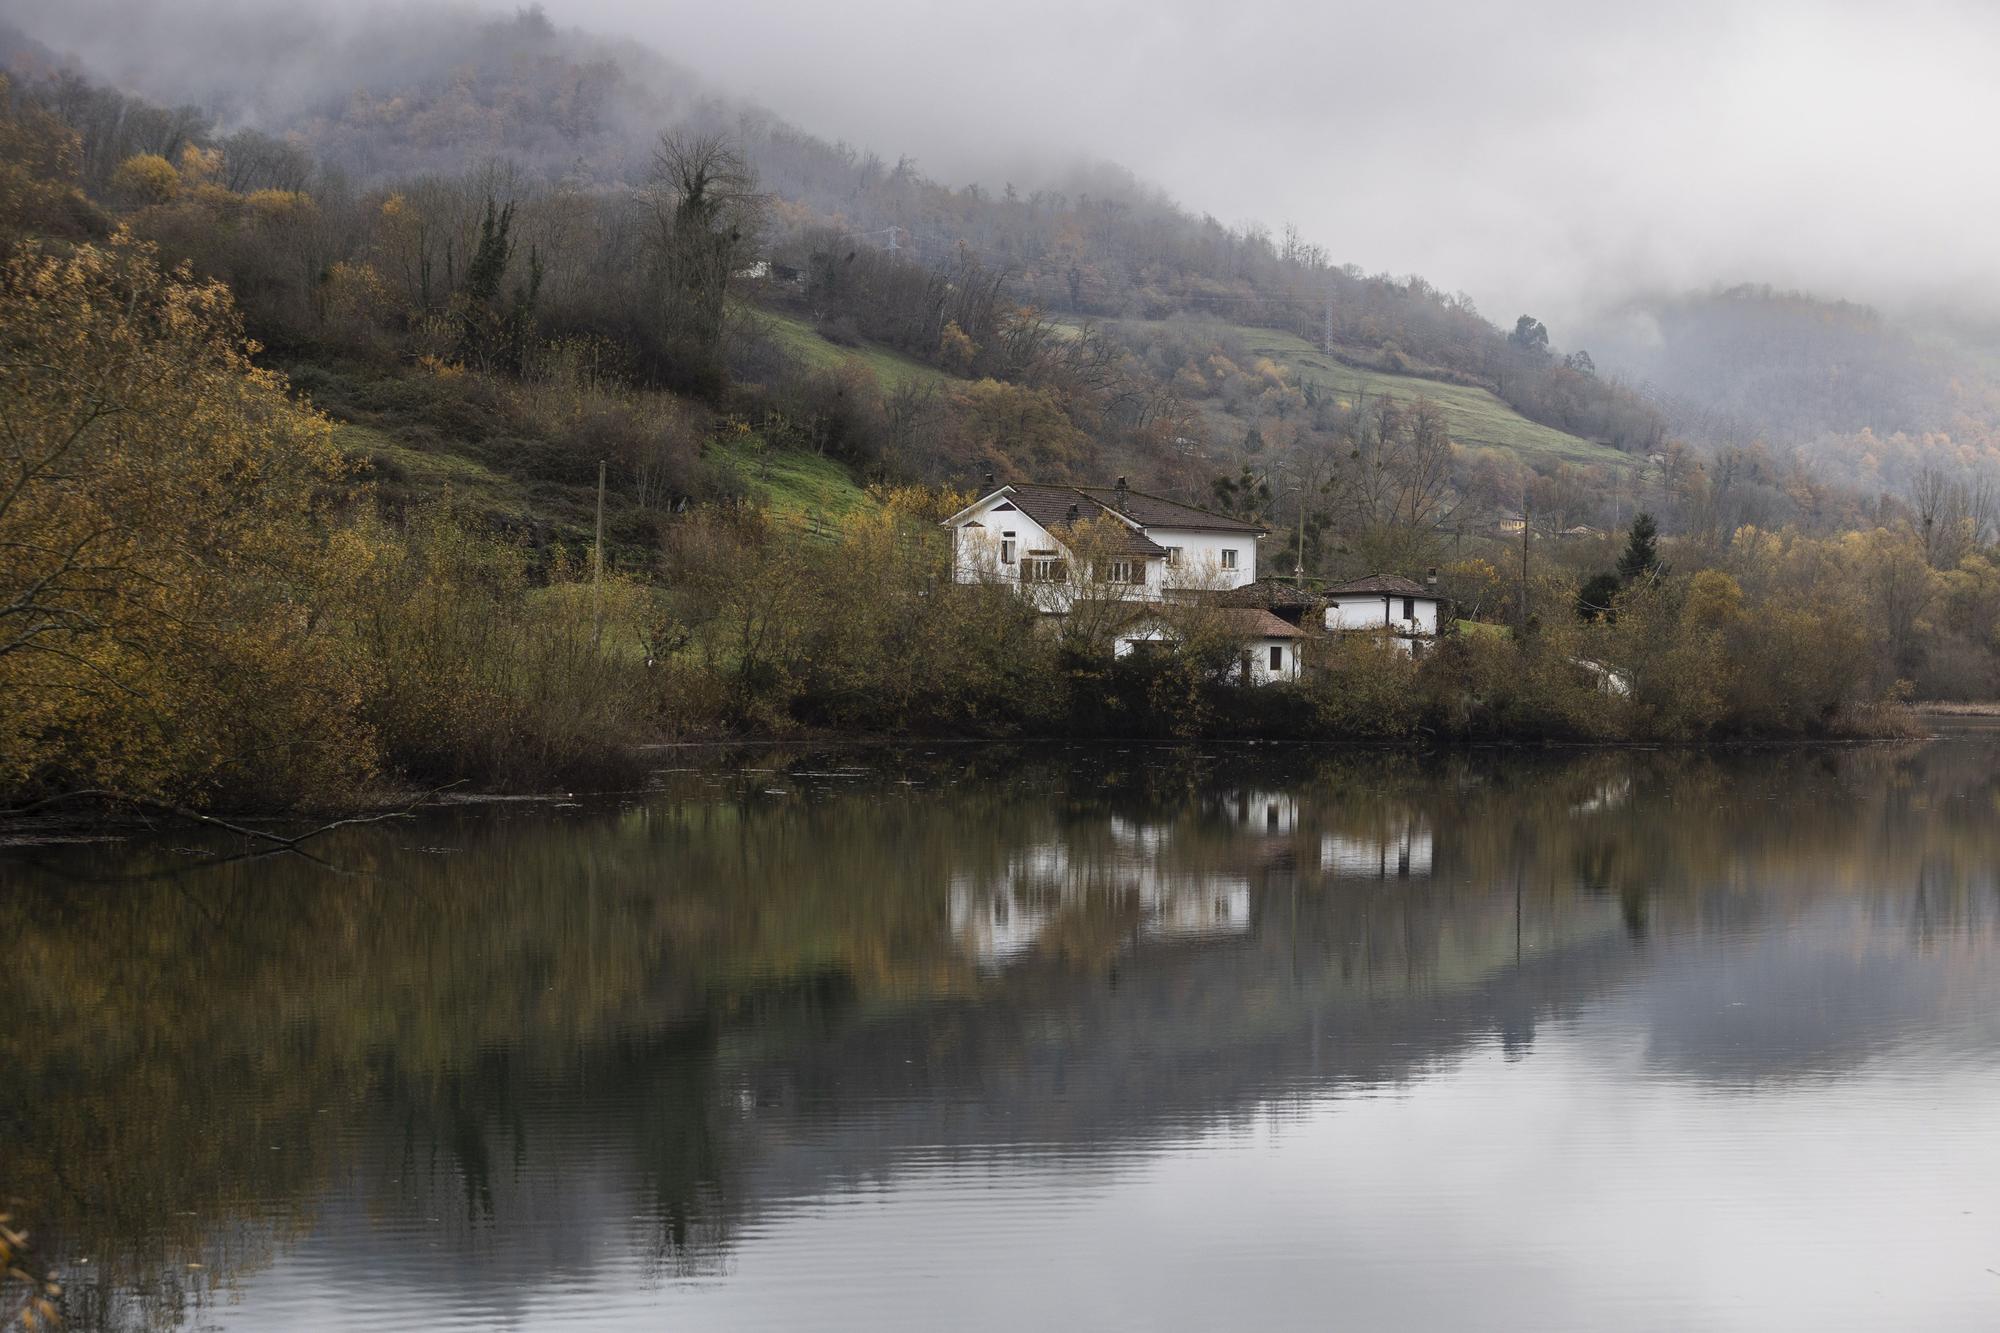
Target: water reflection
(797,1045)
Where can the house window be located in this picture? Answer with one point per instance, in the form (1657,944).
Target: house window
(1409,608)
(1229,558)
(1044,567)
(1007,548)
(1277,657)
(1128,571)
(1173,557)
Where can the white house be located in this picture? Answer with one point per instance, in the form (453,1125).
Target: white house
(1013,535)
(1270,647)
(1405,608)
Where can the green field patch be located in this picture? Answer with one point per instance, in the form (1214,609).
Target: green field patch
(806,486)
(405,474)
(1480,629)
(1477,419)
(892,369)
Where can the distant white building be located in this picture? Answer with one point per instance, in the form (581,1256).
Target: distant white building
(1013,535)
(1403,607)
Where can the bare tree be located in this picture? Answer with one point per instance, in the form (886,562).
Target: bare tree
(705,219)
(1953,514)
(1396,497)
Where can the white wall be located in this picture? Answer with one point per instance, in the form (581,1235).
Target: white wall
(1152,631)
(1260,661)
(1200,562)
(1365,611)
(975,551)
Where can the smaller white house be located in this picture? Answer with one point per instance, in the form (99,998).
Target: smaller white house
(1270,651)
(1404,608)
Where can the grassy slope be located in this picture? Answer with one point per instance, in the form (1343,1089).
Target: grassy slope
(1478,419)
(892,369)
(409,473)
(410,456)
(788,482)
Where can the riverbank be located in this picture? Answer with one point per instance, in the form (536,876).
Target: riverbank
(86,817)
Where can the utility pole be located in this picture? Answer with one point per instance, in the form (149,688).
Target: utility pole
(1326,327)
(1299,565)
(597,562)
(1526,523)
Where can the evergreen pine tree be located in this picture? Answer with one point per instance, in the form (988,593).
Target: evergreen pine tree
(1642,549)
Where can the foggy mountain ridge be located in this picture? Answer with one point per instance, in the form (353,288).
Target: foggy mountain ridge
(1749,362)
(380,94)
(322,77)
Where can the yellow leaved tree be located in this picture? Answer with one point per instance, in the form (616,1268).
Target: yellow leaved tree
(163,558)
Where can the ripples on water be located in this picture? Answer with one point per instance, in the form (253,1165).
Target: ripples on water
(1002,1039)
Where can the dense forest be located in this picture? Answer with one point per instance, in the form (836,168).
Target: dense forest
(311,382)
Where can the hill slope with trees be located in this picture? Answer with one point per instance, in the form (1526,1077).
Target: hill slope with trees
(306,434)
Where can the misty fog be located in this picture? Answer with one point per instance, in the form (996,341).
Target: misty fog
(1554,157)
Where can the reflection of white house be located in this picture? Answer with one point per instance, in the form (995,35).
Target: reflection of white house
(1139,839)
(1215,905)
(1403,852)
(1402,607)
(1270,647)
(1263,811)
(1609,795)
(999,918)
(1013,535)
(993,924)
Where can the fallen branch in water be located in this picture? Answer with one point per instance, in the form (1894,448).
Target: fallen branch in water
(280,840)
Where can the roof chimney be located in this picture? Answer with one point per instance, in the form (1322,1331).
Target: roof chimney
(989,483)
(1431,579)
(1124,492)
(1072,513)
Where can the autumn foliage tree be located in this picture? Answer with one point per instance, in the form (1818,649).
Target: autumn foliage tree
(161,549)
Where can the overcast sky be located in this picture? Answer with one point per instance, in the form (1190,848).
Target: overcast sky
(1535,155)
(1546,157)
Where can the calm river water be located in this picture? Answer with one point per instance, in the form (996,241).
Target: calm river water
(1038,1039)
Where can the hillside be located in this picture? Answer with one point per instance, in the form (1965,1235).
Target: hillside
(891,369)
(1478,419)
(524,107)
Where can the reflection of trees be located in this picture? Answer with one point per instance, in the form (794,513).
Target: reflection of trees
(658,996)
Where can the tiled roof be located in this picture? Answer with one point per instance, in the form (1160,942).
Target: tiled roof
(1270,594)
(1055,506)
(1393,585)
(1255,623)
(1153,511)
(1247,621)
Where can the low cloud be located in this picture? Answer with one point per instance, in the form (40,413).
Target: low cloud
(1556,157)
